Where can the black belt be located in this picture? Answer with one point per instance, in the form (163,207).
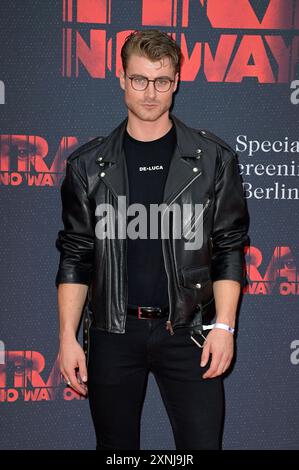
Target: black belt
(147,313)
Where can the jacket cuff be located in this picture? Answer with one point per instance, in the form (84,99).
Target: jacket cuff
(74,277)
(229,265)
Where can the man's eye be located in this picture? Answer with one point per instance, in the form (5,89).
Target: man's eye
(162,81)
(139,80)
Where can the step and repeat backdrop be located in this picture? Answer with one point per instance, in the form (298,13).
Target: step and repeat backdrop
(59,88)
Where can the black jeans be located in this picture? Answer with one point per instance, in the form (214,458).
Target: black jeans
(118,369)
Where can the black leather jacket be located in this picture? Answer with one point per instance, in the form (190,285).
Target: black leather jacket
(203,170)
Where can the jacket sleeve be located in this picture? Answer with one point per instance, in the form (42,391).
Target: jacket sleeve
(231,223)
(76,241)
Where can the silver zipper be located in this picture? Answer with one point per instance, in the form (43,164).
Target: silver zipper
(126,243)
(198,217)
(109,284)
(168,322)
(112,193)
(126,254)
(126,304)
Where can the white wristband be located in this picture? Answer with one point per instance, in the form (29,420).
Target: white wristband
(224,326)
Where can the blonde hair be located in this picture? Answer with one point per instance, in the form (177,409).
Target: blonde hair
(152,44)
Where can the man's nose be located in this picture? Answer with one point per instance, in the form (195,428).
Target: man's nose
(151,90)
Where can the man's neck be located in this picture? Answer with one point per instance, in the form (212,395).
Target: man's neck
(148,130)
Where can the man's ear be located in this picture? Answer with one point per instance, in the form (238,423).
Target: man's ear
(176,78)
(121,78)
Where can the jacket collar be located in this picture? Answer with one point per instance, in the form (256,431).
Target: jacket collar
(184,166)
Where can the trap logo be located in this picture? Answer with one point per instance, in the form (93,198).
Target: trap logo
(280,275)
(25,159)
(23,377)
(246,38)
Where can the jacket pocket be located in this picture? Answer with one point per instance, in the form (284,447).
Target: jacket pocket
(196,276)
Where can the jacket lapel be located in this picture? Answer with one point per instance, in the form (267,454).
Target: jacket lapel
(184,165)
(112,162)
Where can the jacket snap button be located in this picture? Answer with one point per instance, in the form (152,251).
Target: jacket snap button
(203,132)
(195,169)
(198,285)
(198,150)
(100,159)
(102,164)
(102,174)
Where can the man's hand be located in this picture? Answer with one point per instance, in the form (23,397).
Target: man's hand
(220,344)
(71,357)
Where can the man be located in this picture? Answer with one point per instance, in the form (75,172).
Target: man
(150,304)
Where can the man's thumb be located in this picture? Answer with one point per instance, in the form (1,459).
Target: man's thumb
(83,371)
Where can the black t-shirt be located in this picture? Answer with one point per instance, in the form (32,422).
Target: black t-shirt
(147,164)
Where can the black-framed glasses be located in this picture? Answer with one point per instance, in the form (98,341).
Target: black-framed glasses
(140,83)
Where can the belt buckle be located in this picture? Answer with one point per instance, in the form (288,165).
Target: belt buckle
(140,313)
(150,312)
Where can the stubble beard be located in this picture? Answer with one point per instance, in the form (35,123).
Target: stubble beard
(147,114)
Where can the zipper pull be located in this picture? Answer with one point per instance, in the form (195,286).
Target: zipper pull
(169,327)
(196,342)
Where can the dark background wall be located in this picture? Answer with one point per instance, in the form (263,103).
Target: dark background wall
(59,88)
